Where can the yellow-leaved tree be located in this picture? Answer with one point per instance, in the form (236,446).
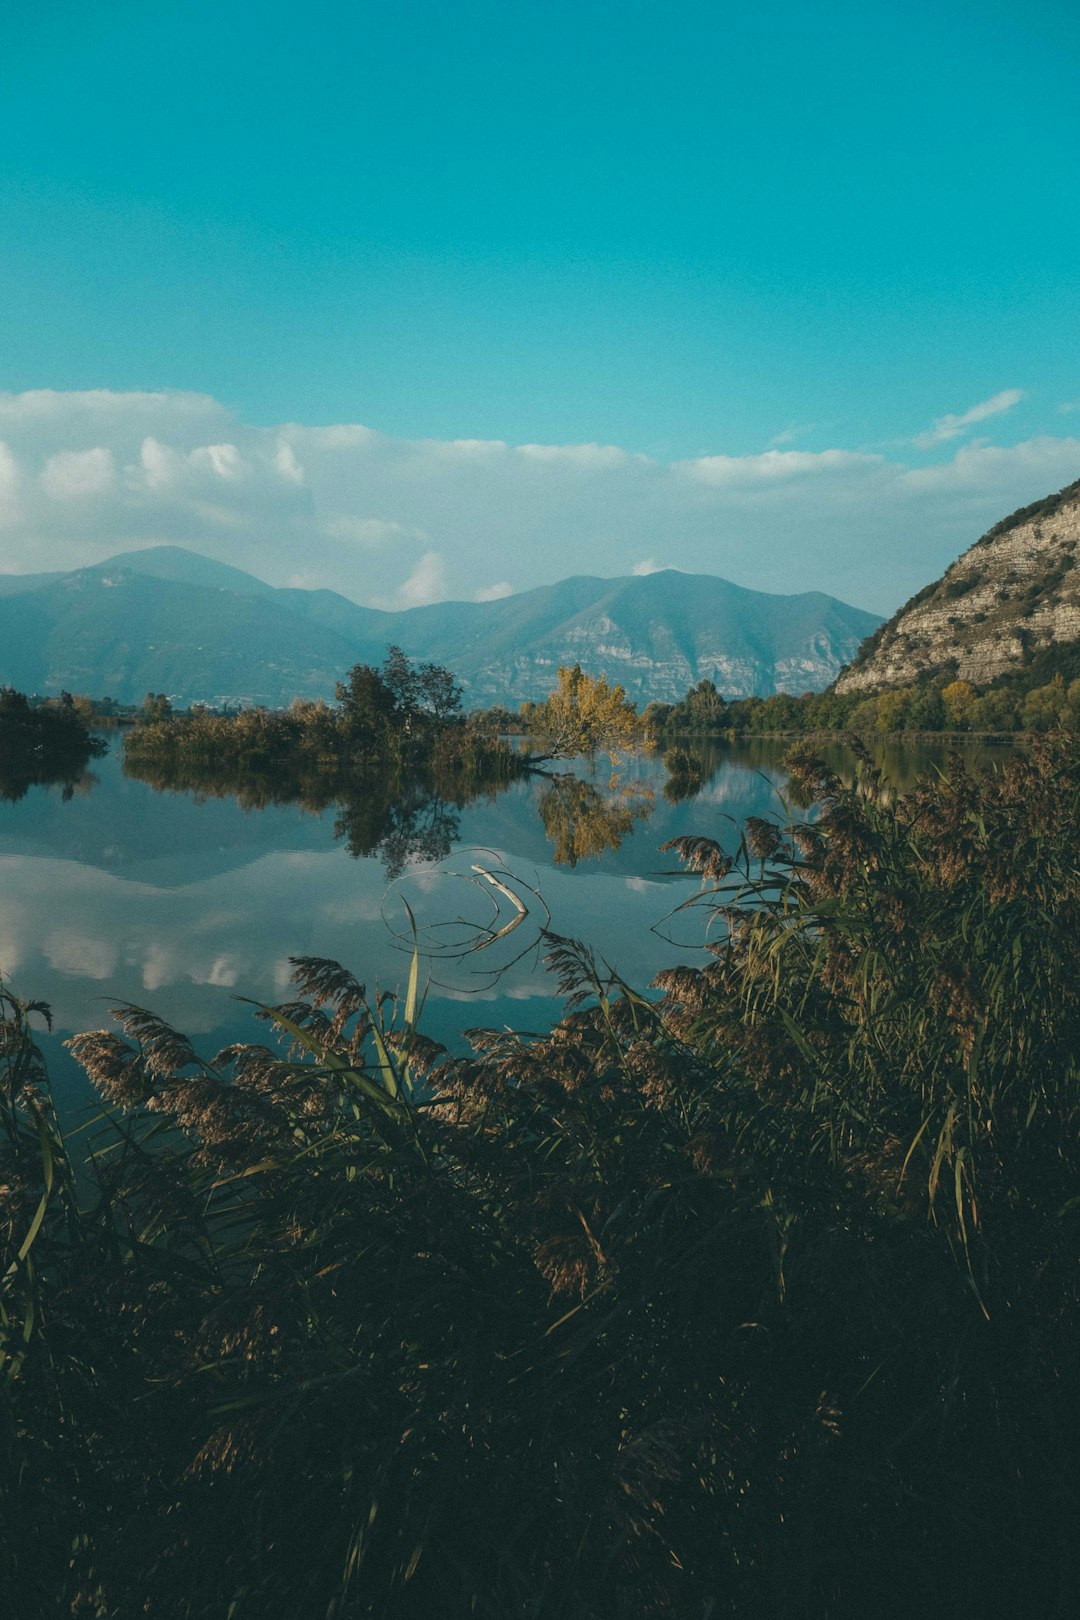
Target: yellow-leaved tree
(959,698)
(584,715)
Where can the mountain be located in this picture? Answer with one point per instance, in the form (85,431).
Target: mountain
(1012,598)
(656,634)
(166,619)
(19,584)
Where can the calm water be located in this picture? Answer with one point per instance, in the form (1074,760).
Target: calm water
(121,892)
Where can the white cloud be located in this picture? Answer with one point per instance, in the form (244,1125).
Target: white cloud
(161,465)
(789,435)
(368,531)
(1068,405)
(587,457)
(772,466)
(953,426)
(223,460)
(286,463)
(97,406)
(343,436)
(74,473)
(494,593)
(984,468)
(646,566)
(426,583)
(9,485)
(400,522)
(223,971)
(84,954)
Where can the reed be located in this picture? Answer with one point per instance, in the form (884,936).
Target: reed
(758,1297)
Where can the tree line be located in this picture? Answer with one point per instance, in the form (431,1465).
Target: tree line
(945,704)
(396,716)
(43,742)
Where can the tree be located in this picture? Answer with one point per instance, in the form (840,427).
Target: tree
(1070,715)
(864,717)
(959,699)
(439,693)
(402,681)
(994,711)
(702,709)
(368,707)
(927,711)
(779,712)
(584,715)
(892,709)
(156,706)
(1043,708)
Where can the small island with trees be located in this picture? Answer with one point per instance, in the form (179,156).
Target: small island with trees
(43,742)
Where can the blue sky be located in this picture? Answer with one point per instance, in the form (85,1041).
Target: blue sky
(685,230)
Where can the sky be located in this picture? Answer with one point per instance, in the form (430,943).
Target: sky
(418,300)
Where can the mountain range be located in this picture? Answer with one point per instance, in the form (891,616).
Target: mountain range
(167,619)
(1011,600)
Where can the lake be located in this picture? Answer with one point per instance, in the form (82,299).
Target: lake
(182,902)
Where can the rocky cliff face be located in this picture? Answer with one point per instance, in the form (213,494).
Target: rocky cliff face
(1014,593)
(654,662)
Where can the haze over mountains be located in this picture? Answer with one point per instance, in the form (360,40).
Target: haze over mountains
(166,619)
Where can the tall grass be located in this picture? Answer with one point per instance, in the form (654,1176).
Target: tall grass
(757,1299)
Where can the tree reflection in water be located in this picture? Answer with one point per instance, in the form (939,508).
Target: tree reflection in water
(581,821)
(406,818)
(396,816)
(416,824)
(18,776)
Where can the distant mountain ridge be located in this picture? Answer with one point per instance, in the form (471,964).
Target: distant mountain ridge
(168,619)
(1012,596)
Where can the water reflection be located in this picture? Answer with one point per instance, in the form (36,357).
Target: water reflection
(582,819)
(405,818)
(178,899)
(18,776)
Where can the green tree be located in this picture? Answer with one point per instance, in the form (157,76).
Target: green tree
(1044,707)
(402,681)
(1071,713)
(439,693)
(779,712)
(369,709)
(994,711)
(892,709)
(926,712)
(156,706)
(865,716)
(703,709)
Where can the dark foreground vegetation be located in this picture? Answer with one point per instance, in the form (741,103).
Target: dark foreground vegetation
(758,1300)
(1042,697)
(47,743)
